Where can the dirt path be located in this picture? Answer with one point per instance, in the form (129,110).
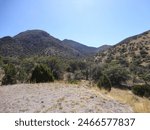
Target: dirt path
(56,97)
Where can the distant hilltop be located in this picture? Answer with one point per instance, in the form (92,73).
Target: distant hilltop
(38,42)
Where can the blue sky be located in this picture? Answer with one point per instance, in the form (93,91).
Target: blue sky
(91,22)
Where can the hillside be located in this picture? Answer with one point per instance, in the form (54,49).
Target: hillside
(103,48)
(83,49)
(132,54)
(10,47)
(37,57)
(135,48)
(34,42)
(38,42)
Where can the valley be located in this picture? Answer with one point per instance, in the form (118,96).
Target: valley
(40,73)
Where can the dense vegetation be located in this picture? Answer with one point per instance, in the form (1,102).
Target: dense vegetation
(41,74)
(10,75)
(128,64)
(48,69)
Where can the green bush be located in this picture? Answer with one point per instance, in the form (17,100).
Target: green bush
(78,75)
(141,90)
(123,62)
(105,83)
(73,66)
(28,64)
(41,74)
(146,77)
(1,61)
(54,65)
(143,53)
(117,75)
(10,75)
(96,72)
(22,75)
(76,65)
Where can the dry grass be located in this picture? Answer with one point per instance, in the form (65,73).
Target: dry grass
(138,104)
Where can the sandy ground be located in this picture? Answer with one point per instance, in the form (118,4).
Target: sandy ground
(56,97)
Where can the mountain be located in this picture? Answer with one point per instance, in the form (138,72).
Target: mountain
(82,49)
(10,47)
(38,42)
(103,48)
(132,49)
(139,38)
(132,54)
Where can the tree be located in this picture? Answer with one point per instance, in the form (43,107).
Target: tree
(10,75)
(116,75)
(22,75)
(96,72)
(146,78)
(41,74)
(141,90)
(56,70)
(1,61)
(73,66)
(104,82)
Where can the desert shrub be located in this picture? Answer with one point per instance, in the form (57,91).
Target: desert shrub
(146,77)
(143,53)
(10,75)
(22,75)
(108,59)
(136,61)
(116,75)
(54,65)
(104,82)
(76,65)
(70,78)
(85,74)
(73,66)
(123,62)
(1,61)
(141,90)
(11,60)
(41,74)
(28,65)
(82,65)
(78,75)
(123,50)
(138,70)
(96,72)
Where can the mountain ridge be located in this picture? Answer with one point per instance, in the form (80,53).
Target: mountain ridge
(39,42)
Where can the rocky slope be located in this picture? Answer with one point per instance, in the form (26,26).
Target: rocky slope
(82,49)
(135,49)
(38,42)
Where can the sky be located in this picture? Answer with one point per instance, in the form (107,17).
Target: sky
(91,22)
